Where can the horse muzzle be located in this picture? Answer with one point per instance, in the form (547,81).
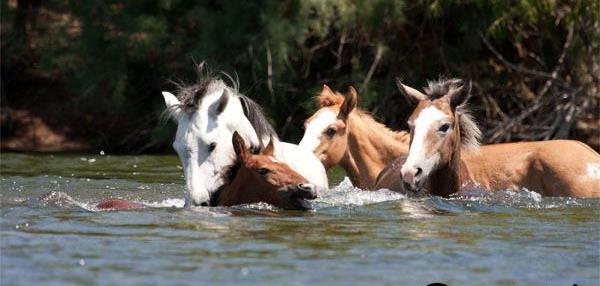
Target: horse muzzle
(299,194)
(412,177)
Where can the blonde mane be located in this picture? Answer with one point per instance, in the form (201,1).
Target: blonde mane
(368,118)
(328,98)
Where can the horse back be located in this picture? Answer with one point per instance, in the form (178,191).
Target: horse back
(551,168)
(572,166)
(304,162)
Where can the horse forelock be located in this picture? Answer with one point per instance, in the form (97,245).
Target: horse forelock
(470,134)
(207,82)
(438,88)
(327,99)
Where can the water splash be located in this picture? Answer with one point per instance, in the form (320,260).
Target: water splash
(61,200)
(346,195)
(166,203)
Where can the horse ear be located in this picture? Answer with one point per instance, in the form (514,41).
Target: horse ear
(222,103)
(239,146)
(270,149)
(459,96)
(409,92)
(350,102)
(173,105)
(327,90)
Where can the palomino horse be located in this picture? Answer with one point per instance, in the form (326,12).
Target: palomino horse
(207,113)
(253,178)
(445,156)
(340,133)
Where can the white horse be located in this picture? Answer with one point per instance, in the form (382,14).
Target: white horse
(207,114)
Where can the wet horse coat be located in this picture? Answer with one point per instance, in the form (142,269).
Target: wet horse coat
(341,134)
(444,155)
(207,114)
(263,178)
(254,178)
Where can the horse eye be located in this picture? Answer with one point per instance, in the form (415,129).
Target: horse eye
(444,128)
(330,132)
(212,146)
(262,171)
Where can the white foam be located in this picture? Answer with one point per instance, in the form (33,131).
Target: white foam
(259,207)
(345,194)
(167,203)
(522,197)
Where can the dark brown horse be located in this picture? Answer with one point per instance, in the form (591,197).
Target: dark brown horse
(263,178)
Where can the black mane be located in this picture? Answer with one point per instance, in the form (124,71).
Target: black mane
(257,119)
(438,88)
(190,97)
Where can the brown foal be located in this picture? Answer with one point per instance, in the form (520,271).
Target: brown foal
(341,134)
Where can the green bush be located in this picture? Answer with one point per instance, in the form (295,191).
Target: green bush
(112,59)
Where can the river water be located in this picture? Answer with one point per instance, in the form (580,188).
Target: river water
(51,234)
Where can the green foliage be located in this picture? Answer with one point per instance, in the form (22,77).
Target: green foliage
(114,57)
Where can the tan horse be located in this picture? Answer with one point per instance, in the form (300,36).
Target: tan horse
(341,134)
(253,179)
(445,157)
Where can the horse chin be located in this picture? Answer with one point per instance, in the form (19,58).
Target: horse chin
(416,189)
(297,200)
(213,197)
(299,204)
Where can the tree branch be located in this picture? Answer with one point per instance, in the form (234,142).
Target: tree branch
(378,55)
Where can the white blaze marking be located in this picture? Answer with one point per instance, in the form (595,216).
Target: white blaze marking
(593,170)
(417,156)
(315,127)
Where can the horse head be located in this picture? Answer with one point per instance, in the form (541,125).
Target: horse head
(440,127)
(326,132)
(207,114)
(263,178)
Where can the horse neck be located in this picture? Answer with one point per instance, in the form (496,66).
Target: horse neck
(449,177)
(234,192)
(370,147)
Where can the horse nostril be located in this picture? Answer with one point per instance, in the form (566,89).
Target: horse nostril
(202,204)
(305,191)
(419,171)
